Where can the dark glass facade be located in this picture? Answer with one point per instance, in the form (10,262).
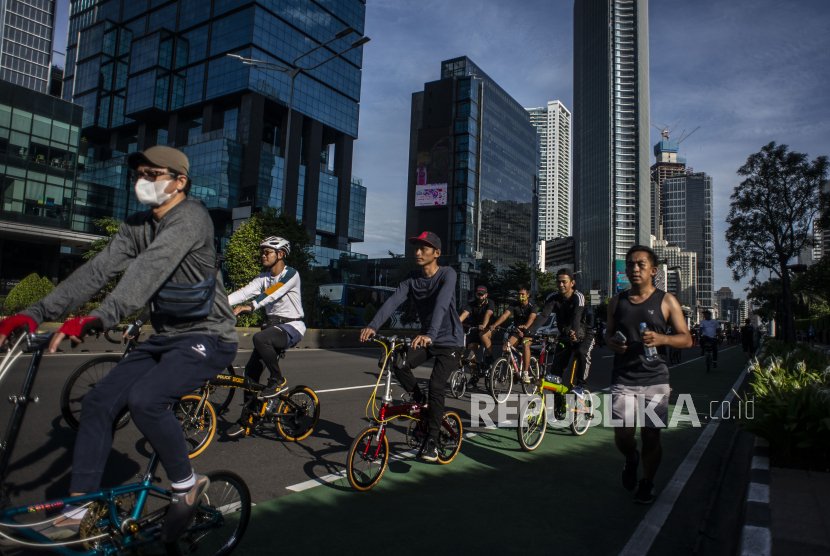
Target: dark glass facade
(43,201)
(151,72)
(473,162)
(612,189)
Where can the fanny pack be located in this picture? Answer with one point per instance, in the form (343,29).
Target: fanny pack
(273,321)
(185,301)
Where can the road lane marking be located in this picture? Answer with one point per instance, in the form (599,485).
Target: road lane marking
(640,542)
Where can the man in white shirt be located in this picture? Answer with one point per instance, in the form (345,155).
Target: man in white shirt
(709,333)
(278,291)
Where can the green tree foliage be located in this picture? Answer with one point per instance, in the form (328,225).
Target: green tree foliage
(109,226)
(814,285)
(547,285)
(765,298)
(30,290)
(771,215)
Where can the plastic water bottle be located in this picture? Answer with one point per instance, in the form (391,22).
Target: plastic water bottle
(651,352)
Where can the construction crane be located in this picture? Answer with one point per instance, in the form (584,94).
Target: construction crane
(665,133)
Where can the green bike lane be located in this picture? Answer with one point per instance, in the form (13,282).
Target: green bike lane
(493,496)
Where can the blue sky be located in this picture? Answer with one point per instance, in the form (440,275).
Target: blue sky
(747,71)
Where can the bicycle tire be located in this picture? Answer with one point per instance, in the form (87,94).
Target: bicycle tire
(193,424)
(229,494)
(362,445)
(80,382)
(219,396)
(532,422)
(532,387)
(458,383)
(580,425)
(501,380)
(708,363)
(299,432)
(448,446)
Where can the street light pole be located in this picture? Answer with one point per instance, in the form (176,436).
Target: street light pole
(293,72)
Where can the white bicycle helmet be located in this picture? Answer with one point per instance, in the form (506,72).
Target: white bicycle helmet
(277,244)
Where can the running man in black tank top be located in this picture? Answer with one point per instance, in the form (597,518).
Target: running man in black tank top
(634,375)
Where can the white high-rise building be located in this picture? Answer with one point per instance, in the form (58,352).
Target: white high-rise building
(553,124)
(26,47)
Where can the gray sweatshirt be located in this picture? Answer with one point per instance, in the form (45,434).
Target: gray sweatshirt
(179,247)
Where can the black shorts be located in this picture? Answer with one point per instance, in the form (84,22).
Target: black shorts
(522,340)
(474,336)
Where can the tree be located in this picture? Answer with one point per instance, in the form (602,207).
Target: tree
(31,289)
(815,282)
(765,298)
(770,217)
(547,285)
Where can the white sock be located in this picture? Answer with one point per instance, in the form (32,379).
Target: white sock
(73,512)
(186,484)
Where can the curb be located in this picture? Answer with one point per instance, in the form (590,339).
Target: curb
(756,536)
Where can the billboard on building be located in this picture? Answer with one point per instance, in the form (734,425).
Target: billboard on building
(620,277)
(433,168)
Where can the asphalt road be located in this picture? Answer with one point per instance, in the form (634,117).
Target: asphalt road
(344,380)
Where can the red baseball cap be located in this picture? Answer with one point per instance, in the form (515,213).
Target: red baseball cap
(429,238)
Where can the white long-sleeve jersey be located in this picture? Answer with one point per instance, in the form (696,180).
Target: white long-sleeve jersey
(280,295)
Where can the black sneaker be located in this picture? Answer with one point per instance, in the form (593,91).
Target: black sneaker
(275,386)
(714,364)
(429,450)
(182,510)
(629,473)
(644,494)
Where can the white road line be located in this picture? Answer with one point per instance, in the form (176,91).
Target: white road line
(756,541)
(347,388)
(640,542)
(317,481)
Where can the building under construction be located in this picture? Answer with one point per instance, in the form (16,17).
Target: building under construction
(668,164)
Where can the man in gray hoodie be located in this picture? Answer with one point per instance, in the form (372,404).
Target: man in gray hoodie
(168,258)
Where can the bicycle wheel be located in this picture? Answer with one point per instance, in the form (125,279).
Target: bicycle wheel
(219,396)
(367,459)
(708,362)
(450,437)
(583,413)
(501,380)
(211,534)
(81,381)
(533,423)
(199,427)
(458,383)
(532,387)
(303,410)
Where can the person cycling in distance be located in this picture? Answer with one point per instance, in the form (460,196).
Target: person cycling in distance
(709,330)
(574,332)
(524,314)
(479,313)
(432,289)
(168,258)
(278,291)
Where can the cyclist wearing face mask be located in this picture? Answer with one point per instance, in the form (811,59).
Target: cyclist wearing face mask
(278,291)
(168,259)
(524,314)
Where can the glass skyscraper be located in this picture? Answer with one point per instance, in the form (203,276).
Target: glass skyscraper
(473,157)
(26,46)
(612,207)
(688,224)
(156,72)
(553,123)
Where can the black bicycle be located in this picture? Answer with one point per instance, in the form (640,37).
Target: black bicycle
(708,350)
(84,378)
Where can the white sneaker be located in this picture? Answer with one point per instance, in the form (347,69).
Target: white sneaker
(525,377)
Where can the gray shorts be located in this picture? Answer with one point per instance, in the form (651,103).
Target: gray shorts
(649,403)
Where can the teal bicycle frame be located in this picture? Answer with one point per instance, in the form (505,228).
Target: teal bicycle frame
(127,526)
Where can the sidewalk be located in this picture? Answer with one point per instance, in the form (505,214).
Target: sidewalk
(800,511)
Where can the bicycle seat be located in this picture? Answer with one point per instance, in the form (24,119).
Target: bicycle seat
(237,382)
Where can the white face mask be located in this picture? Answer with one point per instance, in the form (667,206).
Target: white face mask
(151,193)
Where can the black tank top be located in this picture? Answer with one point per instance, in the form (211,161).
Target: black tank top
(632,367)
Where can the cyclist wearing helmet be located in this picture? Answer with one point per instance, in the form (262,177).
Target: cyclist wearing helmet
(278,291)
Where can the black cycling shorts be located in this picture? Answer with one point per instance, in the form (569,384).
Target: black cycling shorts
(474,336)
(522,340)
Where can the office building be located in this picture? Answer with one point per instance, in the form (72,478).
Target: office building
(681,271)
(42,221)
(667,164)
(742,312)
(687,223)
(729,310)
(26,46)
(472,169)
(158,73)
(612,208)
(559,253)
(553,124)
